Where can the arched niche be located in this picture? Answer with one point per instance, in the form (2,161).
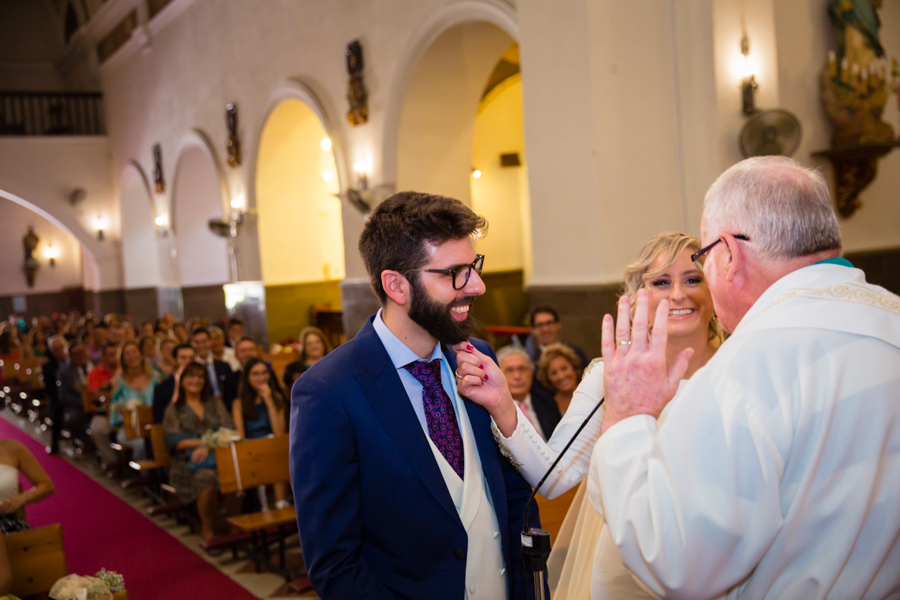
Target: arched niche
(481,21)
(55,239)
(140,251)
(296,179)
(198,194)
(500,192)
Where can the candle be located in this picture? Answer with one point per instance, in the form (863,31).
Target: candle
(854,76)
(832,64)
(845,70)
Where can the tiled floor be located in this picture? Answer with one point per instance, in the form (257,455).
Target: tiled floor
(262,585)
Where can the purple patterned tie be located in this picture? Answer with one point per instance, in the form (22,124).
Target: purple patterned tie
(442,425)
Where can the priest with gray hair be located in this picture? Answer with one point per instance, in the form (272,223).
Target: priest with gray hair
(777,472)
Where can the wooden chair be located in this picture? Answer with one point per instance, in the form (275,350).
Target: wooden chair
(247,465)
(37,558)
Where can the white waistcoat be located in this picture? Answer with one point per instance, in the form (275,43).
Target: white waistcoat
(485,567)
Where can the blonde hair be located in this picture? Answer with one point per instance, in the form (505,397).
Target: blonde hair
(638,273)
(552,351)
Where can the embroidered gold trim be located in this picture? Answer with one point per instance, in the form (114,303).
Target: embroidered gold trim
(588,368)
(501,444)
(846,292)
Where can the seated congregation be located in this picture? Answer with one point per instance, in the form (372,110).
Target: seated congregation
(151,404)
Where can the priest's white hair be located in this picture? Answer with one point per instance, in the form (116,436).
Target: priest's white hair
(784,208)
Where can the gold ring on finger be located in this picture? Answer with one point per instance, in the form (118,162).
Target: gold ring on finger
(456,372)
(628,343)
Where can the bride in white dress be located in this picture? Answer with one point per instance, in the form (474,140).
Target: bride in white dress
(585,557)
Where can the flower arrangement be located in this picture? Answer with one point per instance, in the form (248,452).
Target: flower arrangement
(114,581)
(224,436)
(76,587)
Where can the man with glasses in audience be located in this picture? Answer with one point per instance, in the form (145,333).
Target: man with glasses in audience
(399,487)
(545,330)
(777,471)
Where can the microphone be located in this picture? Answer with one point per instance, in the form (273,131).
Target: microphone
(535,541)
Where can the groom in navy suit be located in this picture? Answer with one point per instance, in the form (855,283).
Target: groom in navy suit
(400,489)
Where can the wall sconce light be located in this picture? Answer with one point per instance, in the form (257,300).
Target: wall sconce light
(100,224)
(232,144)
(362,169)
(748,79)
(162,225)
(326,144)
(158,180)
(52,253)
(476,174)
(237,203)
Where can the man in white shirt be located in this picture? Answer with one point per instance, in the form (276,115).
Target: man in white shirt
(777,471)
(536,403)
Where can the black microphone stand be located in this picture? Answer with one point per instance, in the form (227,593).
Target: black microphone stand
(536,541)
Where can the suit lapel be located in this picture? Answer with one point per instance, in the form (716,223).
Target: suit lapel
(386,395)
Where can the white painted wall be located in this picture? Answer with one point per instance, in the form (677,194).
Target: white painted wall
(197,198)
(67,273)
(140,252)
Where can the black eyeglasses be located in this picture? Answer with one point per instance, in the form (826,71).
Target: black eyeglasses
(702,251)
(461,273)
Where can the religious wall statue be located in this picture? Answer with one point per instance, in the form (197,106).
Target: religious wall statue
(858,79)
(31,266)
(856,84)
(356,95)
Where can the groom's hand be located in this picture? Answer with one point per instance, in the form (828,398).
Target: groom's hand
(479,379)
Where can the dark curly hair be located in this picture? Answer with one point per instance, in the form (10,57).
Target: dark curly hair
(397,230)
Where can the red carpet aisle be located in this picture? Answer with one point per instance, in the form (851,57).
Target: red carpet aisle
(101,530)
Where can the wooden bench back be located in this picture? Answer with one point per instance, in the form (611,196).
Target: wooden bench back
(158,445)
(87,401)
(37,559)
(137,422)
(258,462)
(279,362)
(23,370)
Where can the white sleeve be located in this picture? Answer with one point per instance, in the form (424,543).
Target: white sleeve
(536,456)
(693,505)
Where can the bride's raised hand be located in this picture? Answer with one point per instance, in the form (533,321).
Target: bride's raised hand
(479,379)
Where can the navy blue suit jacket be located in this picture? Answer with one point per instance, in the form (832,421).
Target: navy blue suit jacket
(375,517)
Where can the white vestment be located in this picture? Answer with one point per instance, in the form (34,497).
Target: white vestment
(777,473)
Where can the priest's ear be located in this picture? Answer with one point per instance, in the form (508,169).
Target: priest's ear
(735,259)
(396,286)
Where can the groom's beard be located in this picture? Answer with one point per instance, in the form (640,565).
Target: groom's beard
(435,318)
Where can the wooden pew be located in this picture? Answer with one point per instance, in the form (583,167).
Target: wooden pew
(37,559)
(246,465)
(137,422)
(553,512)
(279,362)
